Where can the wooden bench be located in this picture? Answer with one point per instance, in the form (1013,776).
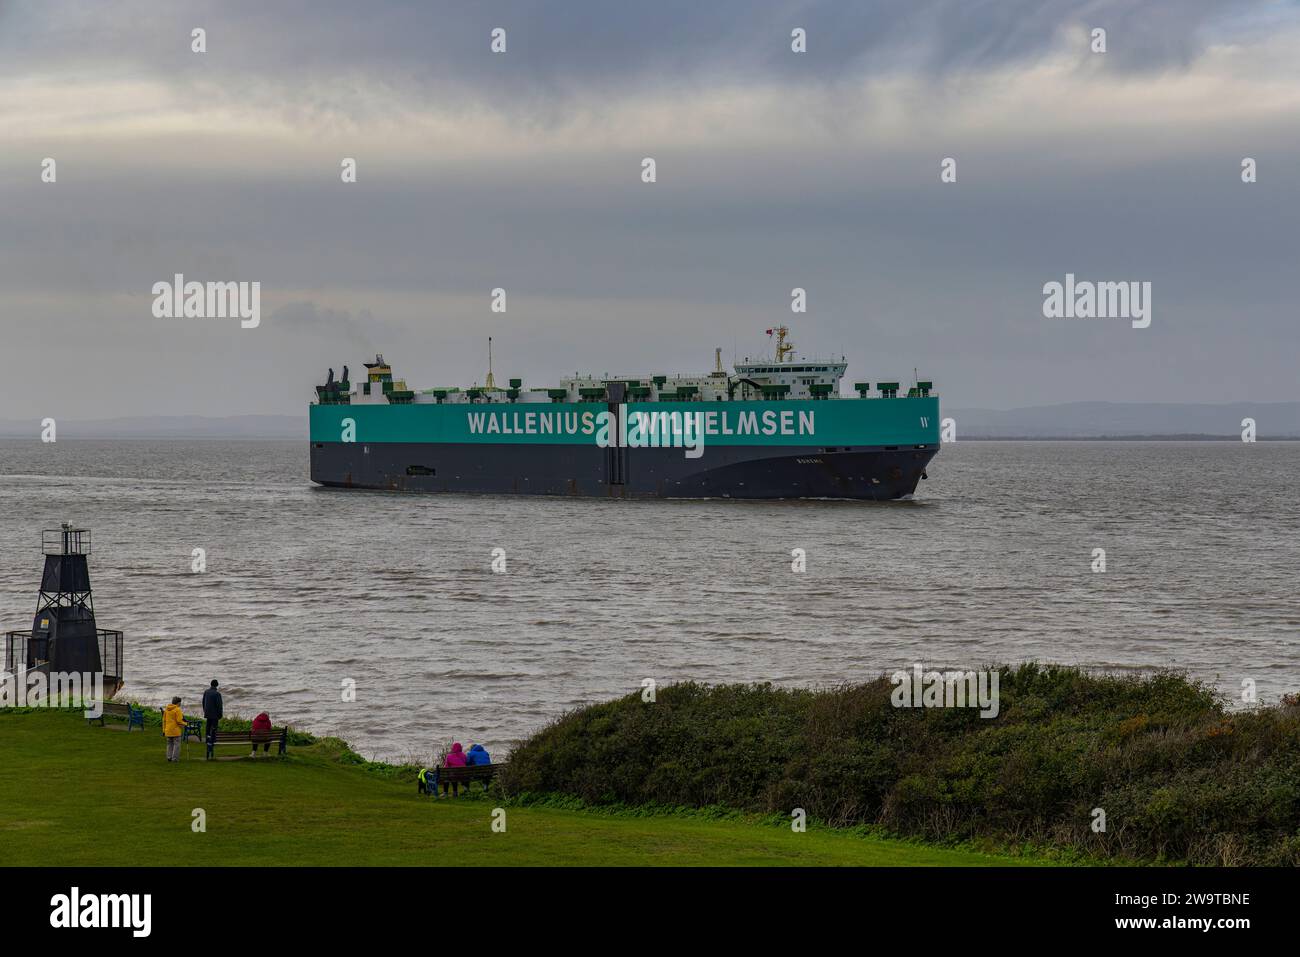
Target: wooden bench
(472,772)
(134,717)
(280,735)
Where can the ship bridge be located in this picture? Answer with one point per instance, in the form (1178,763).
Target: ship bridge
(801,379)
(789,378)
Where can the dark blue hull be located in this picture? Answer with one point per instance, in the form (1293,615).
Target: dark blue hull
(743,472)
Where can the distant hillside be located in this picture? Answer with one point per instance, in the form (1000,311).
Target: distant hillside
(1093,419)
(167,427)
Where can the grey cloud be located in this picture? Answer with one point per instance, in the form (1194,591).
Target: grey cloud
(607,276)
(561,47)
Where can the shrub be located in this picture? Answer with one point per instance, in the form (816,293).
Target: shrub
(1179,777)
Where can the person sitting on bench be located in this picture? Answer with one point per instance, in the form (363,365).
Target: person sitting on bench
(261,733)
(455,759)
(476,755)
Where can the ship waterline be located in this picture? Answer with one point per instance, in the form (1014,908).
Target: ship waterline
(732,471)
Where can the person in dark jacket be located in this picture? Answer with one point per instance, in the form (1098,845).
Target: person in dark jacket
(212,712)
(477,754)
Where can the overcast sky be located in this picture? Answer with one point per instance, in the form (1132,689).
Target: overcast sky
(522,170)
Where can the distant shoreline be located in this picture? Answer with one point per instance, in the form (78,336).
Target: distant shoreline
(157,437)
(1066,422)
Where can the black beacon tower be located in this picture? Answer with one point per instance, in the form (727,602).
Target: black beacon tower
(64,636)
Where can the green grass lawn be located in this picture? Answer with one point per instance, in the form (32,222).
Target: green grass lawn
(71,794)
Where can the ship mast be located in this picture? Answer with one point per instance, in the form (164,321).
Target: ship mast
(783,348)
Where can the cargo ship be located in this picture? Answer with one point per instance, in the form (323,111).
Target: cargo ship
(774,428)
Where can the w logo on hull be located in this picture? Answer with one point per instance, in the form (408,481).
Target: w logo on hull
(925,422)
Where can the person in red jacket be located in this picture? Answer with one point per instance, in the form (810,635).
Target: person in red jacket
(261,733)
(455,759)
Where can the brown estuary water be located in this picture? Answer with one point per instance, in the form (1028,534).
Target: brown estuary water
(306,589)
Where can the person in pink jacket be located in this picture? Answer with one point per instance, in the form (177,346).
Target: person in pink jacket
(455,759)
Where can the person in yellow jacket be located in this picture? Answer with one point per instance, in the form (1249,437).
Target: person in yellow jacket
(173,729)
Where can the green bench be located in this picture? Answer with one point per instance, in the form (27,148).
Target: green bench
(471,772)
(133,716)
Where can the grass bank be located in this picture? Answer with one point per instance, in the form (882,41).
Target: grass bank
(1179,778)
(77,795)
